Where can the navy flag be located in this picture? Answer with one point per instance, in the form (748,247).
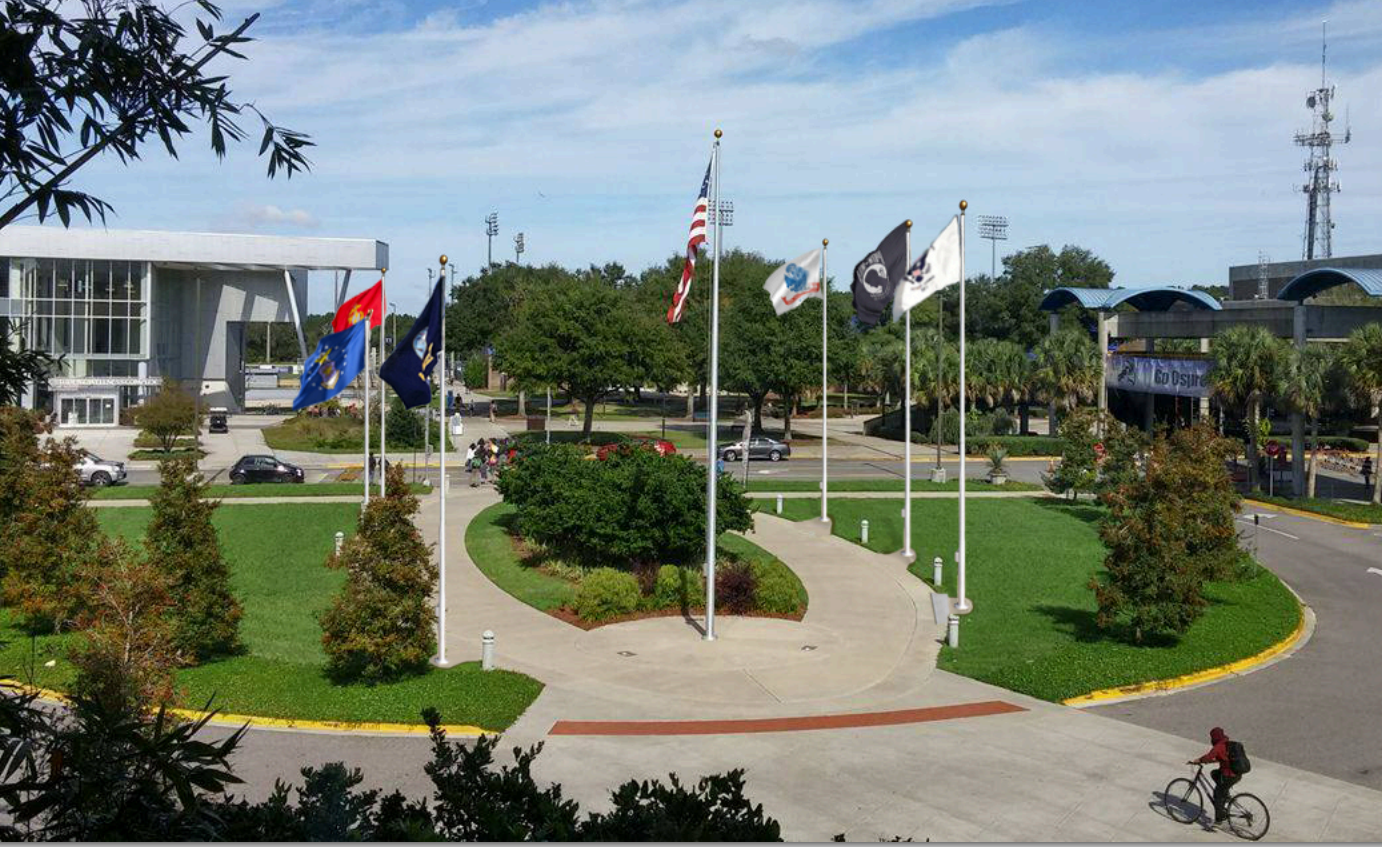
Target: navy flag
(339,358)
(409,367)
(877,275)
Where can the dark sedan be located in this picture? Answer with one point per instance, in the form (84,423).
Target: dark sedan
(264,469)
(760,447)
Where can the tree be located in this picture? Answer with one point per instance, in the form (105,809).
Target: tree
(181,543)
(1007,307)
(107,78)
(1361,361)
(1167,531)
(380,625)
(1303,387)
(1067,369)
(407,430)
(168,415)
(21,367)
(47,533)
(845,357)
(1248,363)
(476,372)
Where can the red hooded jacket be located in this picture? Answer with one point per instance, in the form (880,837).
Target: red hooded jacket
(1218,754)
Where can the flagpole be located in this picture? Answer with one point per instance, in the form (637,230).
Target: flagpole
(383,406)
(711,476)
(440,660)
(962,603)
(825,383)
(368,318)
(907,552)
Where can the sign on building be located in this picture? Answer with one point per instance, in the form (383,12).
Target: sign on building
(1155,375)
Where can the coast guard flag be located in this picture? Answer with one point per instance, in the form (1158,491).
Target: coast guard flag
(795,281)
(877,275)
(409,366)
(338,359)
(933,270)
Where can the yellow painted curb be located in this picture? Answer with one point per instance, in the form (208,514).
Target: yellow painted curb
(287,723)
(1301,513)
(1196,678)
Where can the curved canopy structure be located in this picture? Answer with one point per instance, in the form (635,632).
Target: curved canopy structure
(1154,299)
(1313,282)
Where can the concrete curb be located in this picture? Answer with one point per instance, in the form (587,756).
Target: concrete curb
(258,722)
(1301,513)
(1305,628)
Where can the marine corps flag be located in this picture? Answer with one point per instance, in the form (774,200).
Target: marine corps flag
(356,308)
(409,367)
(877,275)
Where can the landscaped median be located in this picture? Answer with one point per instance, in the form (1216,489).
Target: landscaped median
(1033,626)
(773,486)
(1358,515)
(253,489)
(277,555)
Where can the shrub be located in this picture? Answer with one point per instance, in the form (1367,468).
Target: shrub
(1017,445)
(1001,422)
(774,592)
(169,414)
(381,625)
(677,588)
(1082,469)
(181,542)
(734,588)
(607,593)
(406,429)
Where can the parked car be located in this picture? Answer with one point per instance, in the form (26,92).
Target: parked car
(760,447)
(661,445)
(97,472)
(217,420)
(264,469)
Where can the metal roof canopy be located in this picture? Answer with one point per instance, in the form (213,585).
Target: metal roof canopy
(1315,281)
(192,250)
(1153,299)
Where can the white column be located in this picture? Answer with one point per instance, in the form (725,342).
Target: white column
(297,315)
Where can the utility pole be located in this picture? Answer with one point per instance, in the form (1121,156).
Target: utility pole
(518,248)
(1320,166)
(491,230)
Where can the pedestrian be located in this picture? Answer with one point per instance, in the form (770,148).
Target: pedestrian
(482,461)
(493,459)
(470,462)
(1367,472)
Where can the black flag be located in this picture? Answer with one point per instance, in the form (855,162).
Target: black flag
(877,274)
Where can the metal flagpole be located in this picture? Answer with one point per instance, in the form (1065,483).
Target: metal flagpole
(369,317)
(825,383)
(962,603)
(547,424)
(907,552)
(711,476)
(440,660)
(940,368)
(383,407)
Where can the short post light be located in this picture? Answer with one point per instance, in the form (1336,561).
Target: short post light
(952,631)
(936,571)
(340,541)
(864,532)
(779,504)
(487,650)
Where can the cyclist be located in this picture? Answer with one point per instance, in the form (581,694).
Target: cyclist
(1224,776)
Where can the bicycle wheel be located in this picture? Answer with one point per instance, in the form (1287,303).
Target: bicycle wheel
(1248,816)
(1184,800)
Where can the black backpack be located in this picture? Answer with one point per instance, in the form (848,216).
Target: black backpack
(1238,758)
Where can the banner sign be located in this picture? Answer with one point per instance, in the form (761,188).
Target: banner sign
(1153,375)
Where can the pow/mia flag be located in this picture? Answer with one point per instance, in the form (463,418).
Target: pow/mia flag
(877,275)
(409,367)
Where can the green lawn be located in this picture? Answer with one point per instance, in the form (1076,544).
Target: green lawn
(1032,629)
(254,489)
(340,435)
(283,586)
(490,546)
(889,484)
(1360,512)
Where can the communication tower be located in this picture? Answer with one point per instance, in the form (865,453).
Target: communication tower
(1321,165)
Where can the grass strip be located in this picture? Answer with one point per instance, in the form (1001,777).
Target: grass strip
(848,485)
(1359,512)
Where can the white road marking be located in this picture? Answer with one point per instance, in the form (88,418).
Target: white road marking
(1269,529)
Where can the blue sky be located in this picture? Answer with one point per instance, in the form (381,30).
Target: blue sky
(1156,134)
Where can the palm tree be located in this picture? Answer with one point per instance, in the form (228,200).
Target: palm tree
(1248,362)
(1067,369)
(1361,361)
(1303,388)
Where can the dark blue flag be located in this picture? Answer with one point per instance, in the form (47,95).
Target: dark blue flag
(409,366)
(339,358)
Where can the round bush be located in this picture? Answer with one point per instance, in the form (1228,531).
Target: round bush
(774,591)
(607,593)
(677,588)
(734,588)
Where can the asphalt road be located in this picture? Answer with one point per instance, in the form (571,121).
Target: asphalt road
(1318,709)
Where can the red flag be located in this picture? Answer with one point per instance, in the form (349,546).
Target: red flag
(354,310)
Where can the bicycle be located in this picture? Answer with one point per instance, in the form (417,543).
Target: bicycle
(1248,817)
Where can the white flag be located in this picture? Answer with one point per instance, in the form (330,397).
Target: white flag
(795,281)
(933,270)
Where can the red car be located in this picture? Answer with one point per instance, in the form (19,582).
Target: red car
(661,445)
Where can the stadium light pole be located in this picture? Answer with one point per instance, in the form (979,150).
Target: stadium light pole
(491,230)
(995,229)
(518,249)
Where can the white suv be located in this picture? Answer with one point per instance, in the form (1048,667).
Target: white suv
(98,472)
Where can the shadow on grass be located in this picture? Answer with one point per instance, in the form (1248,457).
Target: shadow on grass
(1083,626)
(1082,510)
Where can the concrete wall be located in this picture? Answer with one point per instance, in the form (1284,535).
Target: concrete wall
(1242,279)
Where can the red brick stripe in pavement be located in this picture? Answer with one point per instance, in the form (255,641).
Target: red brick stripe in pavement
(730,727)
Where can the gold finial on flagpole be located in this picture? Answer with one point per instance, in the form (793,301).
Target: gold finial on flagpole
(383,271)
(718,133)
(909,223)
(964,204)
(825,242)
(443,259)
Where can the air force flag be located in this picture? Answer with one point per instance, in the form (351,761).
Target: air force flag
(877,275)
(339,358)
(933,270)
(409,367)
(794,282)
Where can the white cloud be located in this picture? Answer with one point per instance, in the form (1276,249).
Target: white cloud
(267,216)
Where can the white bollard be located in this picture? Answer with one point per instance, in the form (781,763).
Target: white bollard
(936,571)
(779,504)
(487,650)
(953,631)
(863,532)
(340,541)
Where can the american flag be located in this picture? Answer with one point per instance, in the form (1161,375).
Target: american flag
(693,243)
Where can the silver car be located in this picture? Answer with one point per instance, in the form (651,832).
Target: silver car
(760,447)
(98,472)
